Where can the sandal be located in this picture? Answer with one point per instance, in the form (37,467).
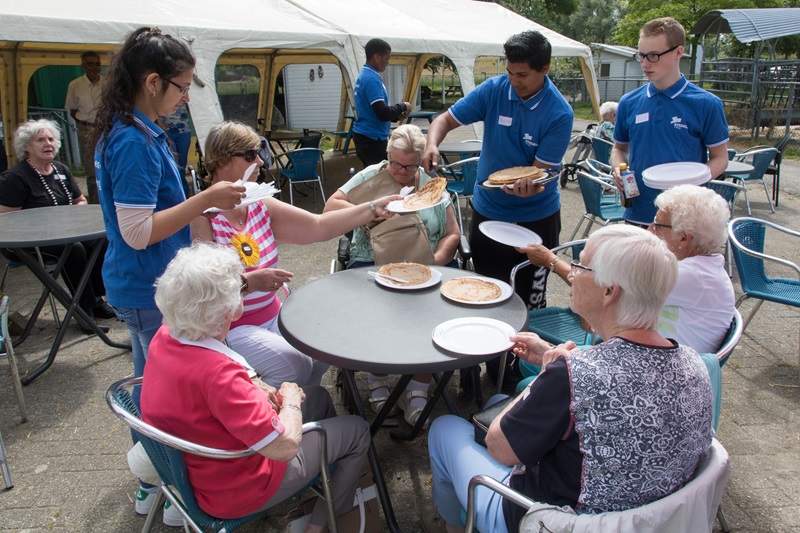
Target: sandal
(376,402)
(411,413)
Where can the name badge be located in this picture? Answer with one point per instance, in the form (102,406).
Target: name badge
(61,177)
(644,117)
(504,121)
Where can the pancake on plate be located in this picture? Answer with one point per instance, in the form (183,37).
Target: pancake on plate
(471,289)
(415,273)
(511,175)
(428,195)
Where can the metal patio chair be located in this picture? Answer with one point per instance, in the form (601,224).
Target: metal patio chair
(592,190)
(166,452)
(729,192)
(761,158)
(463,187)
(303,167)
(602,149)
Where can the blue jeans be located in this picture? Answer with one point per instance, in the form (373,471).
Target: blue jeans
(455,459)
(142,326)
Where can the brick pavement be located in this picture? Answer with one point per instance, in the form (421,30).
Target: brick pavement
(69,465)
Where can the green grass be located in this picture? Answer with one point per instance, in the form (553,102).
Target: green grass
(583,110)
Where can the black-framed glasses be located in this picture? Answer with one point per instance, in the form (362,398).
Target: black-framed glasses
(652,57)
(406,168)
(249,155)
(655,225)
(577,265)
(183,89)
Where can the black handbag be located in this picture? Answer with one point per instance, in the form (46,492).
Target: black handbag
(483,419)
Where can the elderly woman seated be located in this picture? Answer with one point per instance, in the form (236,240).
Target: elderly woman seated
(691,220)
(254,230)
(401,169)
(608,114)
(197,388)
(40,181)
(614,427)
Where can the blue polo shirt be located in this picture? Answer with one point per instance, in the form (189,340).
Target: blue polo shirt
(515,133)
(368,90)
(136,169)
(674,125)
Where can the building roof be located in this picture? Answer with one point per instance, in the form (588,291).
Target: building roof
(749,25)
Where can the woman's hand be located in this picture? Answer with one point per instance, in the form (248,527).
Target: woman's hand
(267,279)
(270,391)
(380,207)
(530,347)
(557,351)
(291,394)
(224,195)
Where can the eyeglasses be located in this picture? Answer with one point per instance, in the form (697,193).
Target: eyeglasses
(405,168)
(249,155)
(93,64)
(652,57)
(578,265)
(182,89)
(655,225)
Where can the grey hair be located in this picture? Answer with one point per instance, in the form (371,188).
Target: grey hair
(200,290)
(28,130)
(699,212)
(641,265)
(607,108)
(407,138)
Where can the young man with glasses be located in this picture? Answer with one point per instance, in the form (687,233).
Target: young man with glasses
(83,98)
(668,120)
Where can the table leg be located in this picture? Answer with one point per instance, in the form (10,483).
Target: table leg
(372,454)
(440,389)
(71,304)
(42,299)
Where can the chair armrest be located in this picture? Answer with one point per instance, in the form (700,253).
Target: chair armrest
(763,256)
(464,248)
(343,250)
(494,485)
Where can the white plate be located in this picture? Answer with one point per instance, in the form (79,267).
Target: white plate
(669,175)
(436,277)
(509,234)
(396,206)
(505,292)
(474,336)
(255,193)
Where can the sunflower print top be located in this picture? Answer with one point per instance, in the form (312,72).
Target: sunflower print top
(257,249)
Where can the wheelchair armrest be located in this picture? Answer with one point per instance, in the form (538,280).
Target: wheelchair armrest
(343,250)
(464,249)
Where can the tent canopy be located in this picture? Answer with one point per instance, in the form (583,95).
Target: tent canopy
(53,32)
(749,25)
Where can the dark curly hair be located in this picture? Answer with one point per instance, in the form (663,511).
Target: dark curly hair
(144,52)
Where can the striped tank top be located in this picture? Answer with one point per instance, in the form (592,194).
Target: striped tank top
(257,249)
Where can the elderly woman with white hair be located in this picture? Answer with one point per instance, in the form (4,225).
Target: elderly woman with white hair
(692,221)
(608,117)
(400,169)
(595,430)
(40,181)
(198,389)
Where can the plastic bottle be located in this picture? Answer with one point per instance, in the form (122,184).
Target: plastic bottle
(630,189)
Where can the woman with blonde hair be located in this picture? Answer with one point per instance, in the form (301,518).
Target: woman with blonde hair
(253,231)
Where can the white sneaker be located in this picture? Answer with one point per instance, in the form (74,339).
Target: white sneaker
(172,517)
(144,500)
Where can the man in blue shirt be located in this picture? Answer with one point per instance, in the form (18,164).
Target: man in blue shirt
(668,120)
(374,115)
(526,122)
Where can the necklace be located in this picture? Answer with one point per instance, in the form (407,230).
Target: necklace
(240,217)
(47,187)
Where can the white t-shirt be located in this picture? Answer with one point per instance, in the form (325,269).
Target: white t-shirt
(84,96)
(699,310)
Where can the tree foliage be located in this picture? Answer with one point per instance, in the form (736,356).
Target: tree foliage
(593,21)
(434,64)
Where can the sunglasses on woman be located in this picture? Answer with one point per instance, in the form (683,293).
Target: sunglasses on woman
(249,155)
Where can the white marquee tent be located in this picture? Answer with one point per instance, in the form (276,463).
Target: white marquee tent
(55,32)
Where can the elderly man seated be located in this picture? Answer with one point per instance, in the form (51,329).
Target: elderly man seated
(614,427)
